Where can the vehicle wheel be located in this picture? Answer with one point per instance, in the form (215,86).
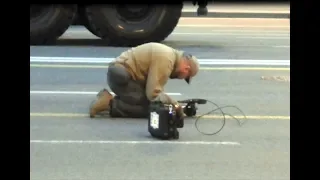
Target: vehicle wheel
(84,20)
(125,25)
(48,23)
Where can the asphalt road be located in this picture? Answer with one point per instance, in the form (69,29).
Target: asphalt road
(241,9)
(66,144)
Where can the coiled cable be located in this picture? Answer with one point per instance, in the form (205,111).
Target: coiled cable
(224,117)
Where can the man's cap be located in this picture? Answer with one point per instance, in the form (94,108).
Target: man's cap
(194,65)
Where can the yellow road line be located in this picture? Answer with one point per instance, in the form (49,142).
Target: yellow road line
(202,68)
(75,115)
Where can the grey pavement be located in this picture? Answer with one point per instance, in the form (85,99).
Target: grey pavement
(242,88)
(243,7)
(241,10)
(262,149)
(267,40)
(263,154)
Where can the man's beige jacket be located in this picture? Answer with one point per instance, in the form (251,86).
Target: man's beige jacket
(152,64)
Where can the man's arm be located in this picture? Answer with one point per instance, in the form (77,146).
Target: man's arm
(159,73)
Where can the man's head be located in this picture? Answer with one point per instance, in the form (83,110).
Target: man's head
(187,67)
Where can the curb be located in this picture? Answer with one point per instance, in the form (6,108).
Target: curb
(238,15)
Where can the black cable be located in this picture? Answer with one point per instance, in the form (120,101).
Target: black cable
(224,117)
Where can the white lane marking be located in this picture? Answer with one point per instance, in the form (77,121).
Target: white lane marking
(94,60)
(213,33)
(255,31)
(135,142)
(229,26)
(260,31)
(232,19)
(237,11)
(260,37)
(282,46)
(83,92)
(270,33)
(254,34)
(81,29)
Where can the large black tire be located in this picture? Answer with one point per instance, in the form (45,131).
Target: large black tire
(154,26)
(50,23)
(83,20)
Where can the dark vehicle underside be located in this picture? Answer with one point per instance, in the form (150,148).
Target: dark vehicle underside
(117,25)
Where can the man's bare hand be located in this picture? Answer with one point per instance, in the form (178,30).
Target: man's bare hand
(179,110)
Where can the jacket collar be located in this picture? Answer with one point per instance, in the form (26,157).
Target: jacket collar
(178,54)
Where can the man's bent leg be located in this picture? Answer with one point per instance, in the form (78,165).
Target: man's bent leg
(130,99)
(130,102)
(120,108)
(104,97)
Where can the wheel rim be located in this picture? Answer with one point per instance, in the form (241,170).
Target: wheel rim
(133,13)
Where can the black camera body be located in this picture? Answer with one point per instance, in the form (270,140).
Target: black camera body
(163,121)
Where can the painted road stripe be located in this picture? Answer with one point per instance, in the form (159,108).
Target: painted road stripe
(77,115)
(231,26)
(267,32)
(258,35)
(238,36)
(201,68)
(82,92)
(134,142)
(237,9)
(226,35)
(95,60)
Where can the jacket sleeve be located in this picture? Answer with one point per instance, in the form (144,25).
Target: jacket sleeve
(159,73)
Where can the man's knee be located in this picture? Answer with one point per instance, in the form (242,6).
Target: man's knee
(135,94)
(117,75)
(125,87)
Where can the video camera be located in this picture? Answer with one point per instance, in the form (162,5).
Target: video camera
(190,109)
(163,121)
